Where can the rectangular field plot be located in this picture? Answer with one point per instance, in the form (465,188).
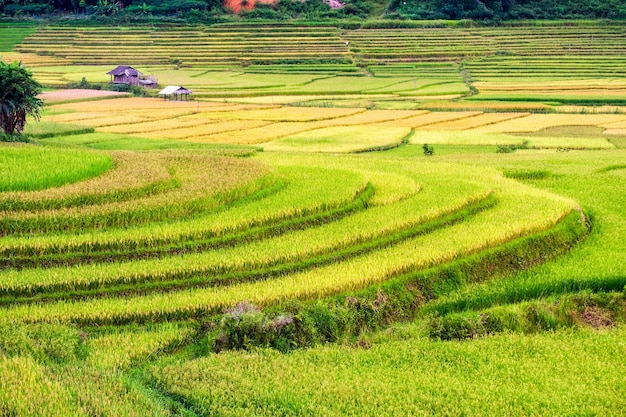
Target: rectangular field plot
(537,122)
(569,143)
(341,139)
(476,121)
(204,129)
(426,119)
(257,135)
(463,138)
(294,114)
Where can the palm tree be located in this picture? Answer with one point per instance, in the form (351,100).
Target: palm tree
(18,97)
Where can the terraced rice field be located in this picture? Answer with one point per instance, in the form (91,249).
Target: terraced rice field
(224,256)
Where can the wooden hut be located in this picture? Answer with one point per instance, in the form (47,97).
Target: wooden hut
(175,92)
(125,74)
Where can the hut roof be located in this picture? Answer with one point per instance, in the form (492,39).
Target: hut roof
(125,70)
(174,89)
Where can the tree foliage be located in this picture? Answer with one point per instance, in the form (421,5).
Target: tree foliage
(18,97)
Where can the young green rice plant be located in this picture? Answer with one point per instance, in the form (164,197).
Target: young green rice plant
(44,396)
(541,210)
(307,192)
(30,168)
(349,236)
(206,182)
(578,372)
(123,348)
(42,129)
(133,175)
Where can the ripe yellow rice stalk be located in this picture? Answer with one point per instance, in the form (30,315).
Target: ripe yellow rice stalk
(429,118)
(617,132)
(341,139)
(569,143)
(144,126)
(295,114)
(130,170)
(473,122)
(537,122)
(485,105)
(463,138)
(198,128)
(521,210)
(44,396)
(120,350)
(201,176)
(615,125)
(373,116)
(258,135)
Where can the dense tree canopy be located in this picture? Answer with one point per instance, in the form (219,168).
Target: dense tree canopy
(411,9)
(18,97)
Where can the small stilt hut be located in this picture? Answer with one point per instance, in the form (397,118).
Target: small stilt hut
(175,92)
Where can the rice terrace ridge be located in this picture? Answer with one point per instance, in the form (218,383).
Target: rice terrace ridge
(355,208)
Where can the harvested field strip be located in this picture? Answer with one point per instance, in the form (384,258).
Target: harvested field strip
(541,211)
(307,192)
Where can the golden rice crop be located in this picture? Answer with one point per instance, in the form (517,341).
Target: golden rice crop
(43,396)
(197,129)
(591,109)
(429,118)
(142,127)
(258,135)
(569,143)
(295,114)
(121,349)
(463,138)
(615,125)
(341,139)
(485,105)
(537,122)
(201,176)
(521,210)
(373,116)
(130,171)
(473,122)
(617,132)
(308,189)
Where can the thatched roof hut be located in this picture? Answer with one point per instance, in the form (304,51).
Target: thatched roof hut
(175,92)
(125,74)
